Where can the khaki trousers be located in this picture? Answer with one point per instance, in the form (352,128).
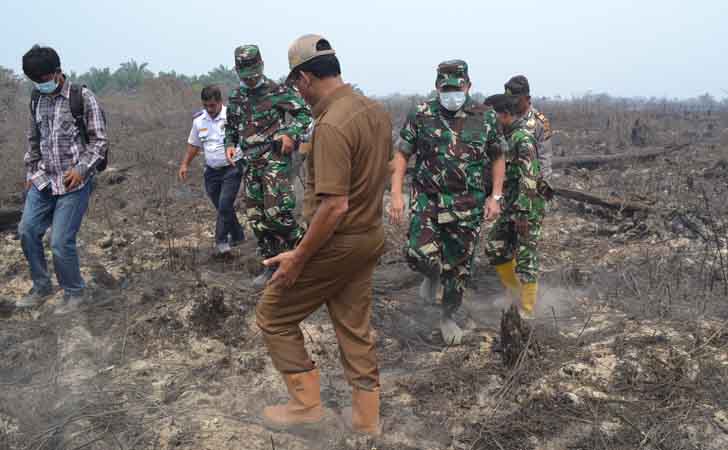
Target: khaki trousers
(340,276)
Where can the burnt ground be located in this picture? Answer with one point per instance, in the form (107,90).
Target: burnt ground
(631,331)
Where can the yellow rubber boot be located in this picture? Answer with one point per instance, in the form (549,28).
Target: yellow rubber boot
(304,405)
(528,299)
(507,274)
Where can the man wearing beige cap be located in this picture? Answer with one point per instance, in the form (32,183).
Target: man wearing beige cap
(334,263)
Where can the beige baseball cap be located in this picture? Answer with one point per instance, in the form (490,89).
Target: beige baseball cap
(306,48)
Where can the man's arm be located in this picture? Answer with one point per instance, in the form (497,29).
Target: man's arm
(496,147)
(399,170)
(232,136)
(192,152)
(291,104)
(408,135)
(529,171)
(544,145)
(98,142)
(498,173)
(327,217)
(32,155)
(323,224)
(332,163)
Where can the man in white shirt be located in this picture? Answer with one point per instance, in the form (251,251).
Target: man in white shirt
(222,180)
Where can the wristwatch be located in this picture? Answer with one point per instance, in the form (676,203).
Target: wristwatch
(497,198)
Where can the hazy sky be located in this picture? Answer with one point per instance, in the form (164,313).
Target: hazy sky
(627,48)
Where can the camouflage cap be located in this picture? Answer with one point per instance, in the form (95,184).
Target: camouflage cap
(248,62)
(517,85)
(452,73)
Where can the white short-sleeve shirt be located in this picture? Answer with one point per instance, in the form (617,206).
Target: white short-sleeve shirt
(208,134)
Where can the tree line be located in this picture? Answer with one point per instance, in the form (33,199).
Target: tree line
(130,76)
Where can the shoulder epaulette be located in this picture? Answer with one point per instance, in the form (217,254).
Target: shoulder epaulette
(546,124)
(198,114)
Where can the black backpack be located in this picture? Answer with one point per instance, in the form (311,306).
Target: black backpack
(76,103)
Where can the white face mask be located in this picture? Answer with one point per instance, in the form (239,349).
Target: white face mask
(452,101)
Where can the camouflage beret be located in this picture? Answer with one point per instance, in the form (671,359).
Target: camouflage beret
(518,85)
(248,62)
(452,73)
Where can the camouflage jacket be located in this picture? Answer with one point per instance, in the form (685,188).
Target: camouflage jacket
(523,172)
(260,115)
(452,151)
(539,126)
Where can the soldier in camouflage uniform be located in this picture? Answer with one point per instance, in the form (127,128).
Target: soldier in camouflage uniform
(453,140)
(535,121)
(513,241)
(264,122)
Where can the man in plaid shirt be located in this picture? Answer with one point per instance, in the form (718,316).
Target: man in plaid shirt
(60,169)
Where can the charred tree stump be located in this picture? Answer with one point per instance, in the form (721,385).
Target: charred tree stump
(516,337)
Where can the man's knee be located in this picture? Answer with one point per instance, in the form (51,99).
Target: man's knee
(63,246)
(30,232)
(225,207)
(424,263)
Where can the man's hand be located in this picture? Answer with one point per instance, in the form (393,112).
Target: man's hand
(396,208)
(289,268)
(287,144)
(492,209)
(183,172)
(28,184)
(229,154)
(522,226)
(72,179)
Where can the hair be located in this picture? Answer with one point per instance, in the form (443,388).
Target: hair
(503,103)
(40,61)
(324,66)
(211,93)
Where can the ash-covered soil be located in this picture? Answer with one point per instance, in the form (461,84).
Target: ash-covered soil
(631,331)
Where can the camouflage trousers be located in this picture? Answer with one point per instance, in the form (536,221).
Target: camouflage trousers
(504,244)
(442,243)
(270,203)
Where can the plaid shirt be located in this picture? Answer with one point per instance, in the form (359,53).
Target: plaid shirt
(56,144)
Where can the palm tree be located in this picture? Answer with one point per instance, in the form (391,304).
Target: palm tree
(130,75)
(221,75)
(98,80)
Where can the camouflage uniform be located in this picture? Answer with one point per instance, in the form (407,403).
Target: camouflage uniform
(448,192)
(522,199)
(256,118)
(540,128)
(536,123)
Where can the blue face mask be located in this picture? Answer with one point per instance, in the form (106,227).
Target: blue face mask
(48,87)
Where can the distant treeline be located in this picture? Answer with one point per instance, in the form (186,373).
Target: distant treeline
(130,76)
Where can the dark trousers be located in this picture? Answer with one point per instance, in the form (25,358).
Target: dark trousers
(222,187)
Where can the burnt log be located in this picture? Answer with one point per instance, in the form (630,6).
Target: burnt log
(594,161)
(614,204)
(10,218)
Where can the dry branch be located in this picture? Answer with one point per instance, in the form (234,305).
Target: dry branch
(593,161)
